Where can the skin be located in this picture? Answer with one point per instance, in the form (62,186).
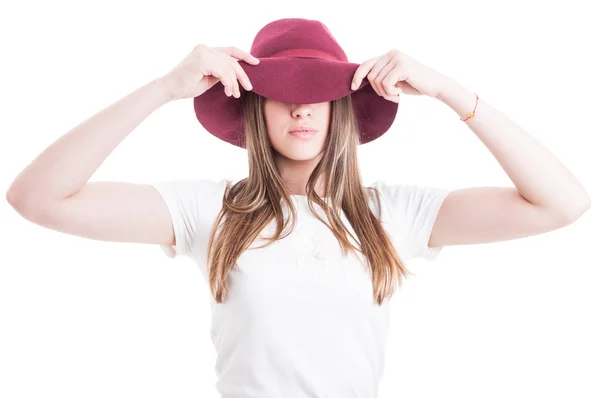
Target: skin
(295,157)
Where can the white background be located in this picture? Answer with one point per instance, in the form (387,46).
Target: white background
(85,318)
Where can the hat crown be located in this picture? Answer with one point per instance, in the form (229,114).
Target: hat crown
(287,34)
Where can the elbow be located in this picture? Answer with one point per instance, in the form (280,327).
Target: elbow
(573,213)
(27,208)
(13,198)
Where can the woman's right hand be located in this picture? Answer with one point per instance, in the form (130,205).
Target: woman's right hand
(204,67)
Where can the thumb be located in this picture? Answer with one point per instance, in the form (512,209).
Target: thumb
(406,88)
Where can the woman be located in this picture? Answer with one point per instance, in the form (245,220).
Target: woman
(300,257)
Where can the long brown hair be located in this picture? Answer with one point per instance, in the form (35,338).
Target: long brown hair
(252,203)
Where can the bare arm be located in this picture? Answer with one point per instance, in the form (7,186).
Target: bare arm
(63,168)
(53,190)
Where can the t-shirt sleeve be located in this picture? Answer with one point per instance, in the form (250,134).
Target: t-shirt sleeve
(193,205)
(410,212)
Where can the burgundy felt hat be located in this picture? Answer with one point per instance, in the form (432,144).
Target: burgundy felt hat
(300,63)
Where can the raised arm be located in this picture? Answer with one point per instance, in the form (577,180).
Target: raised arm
(53,190)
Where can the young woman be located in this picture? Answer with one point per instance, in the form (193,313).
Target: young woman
(300,257)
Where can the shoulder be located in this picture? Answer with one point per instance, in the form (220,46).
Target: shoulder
(194,197)
(405,192)
(406,199)
(197,187)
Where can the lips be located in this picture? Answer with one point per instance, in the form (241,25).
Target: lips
(303,131)
(302,127)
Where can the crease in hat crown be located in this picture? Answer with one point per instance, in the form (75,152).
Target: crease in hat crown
(296,37)
(303,64)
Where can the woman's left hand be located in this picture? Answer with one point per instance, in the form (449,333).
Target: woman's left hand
(395,72)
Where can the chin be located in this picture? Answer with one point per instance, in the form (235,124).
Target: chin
(300,154)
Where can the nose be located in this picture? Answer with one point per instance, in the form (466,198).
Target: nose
(302,110)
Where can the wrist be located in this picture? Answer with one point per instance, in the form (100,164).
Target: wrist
(459,98)
(162,87)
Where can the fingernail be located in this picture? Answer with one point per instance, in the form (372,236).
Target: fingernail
(353,86)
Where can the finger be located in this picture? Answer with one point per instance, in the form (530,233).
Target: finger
(242,76)
(242,55)
(361,72)
(373,73)
(393,98)
(251,59)
(389,82)
(379,65)
(382,75)
(235,88)
(227,81)
(223,79)
(227,86)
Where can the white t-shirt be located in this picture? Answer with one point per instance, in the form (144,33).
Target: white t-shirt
(300,320)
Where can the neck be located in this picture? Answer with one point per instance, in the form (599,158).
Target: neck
(295,174)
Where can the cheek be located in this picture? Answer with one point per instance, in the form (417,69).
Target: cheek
(270,113)
(327,115)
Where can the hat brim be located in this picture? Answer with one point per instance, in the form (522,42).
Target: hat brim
(298,81)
